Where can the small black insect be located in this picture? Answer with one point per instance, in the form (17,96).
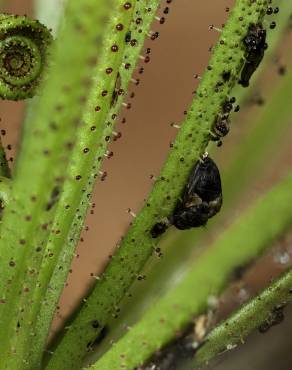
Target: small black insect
(275,317)
(221,124)
(128,36)
(201,200)
(220,129)
(159,228)
(255,46)
(227,106)
(226,76)
(202,197)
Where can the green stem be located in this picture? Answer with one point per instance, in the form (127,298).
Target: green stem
(137,246)
(245,167)
(41,164)
(88,166)
(208,276)
(258,313)
(64,245)
(247,163)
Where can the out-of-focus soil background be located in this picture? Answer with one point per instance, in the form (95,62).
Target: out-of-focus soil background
(165,91)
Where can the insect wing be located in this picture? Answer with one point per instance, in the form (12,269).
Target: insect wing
(204,181)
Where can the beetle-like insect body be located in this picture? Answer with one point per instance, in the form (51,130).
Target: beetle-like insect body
(202,197)
(221,125)
(255,46)
(275,317)
(158,229)
(201,200)
(220,129)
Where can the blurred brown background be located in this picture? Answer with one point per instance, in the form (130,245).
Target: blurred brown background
(165,91)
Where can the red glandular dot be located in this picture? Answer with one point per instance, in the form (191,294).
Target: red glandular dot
(127,5)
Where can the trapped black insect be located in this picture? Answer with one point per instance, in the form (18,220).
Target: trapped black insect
(201,199)
(221,125)
(255,46)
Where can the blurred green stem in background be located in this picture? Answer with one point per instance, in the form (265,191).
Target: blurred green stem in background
(261,313)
